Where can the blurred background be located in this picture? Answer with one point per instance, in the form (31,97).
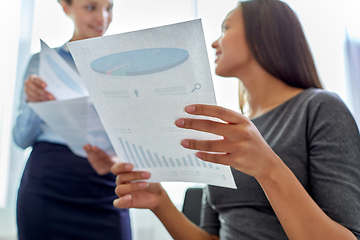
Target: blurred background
(332,29)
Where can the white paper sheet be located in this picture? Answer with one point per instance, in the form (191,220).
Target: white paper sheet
(62,81)
(72,115)
(140,83)
(76,121)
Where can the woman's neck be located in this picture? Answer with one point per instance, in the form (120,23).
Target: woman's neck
(265,92)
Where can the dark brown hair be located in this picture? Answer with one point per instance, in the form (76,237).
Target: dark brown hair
(68,1)
(277,41)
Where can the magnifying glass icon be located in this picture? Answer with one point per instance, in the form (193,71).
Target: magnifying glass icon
(197,86)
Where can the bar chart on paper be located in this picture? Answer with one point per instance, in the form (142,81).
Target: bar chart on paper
(188,165)
(144,158)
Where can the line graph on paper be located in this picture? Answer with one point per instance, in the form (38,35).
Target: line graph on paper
(144,158)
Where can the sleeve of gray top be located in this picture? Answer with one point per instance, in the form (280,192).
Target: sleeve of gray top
(334,160)
(209,220)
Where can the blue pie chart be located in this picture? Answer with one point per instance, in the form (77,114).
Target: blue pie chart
(140,62)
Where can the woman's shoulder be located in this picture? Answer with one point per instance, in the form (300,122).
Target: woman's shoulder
(34,59)
(316,98)
(327,106)
(317,104)
(319,94)
(312,99)
(57,49)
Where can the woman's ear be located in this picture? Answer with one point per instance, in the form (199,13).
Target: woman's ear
(65,6)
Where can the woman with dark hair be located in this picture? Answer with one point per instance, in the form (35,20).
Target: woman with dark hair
(60,195)
(295,156)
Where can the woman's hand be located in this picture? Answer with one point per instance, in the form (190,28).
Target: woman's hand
(35,90)
(137,194)
(242,146)
(99,160)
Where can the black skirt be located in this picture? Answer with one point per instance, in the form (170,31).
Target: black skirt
(62,197)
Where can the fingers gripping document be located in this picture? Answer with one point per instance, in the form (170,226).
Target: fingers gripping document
(140,83)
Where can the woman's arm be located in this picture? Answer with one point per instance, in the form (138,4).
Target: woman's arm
(243,148)
(152,196)
(297,212)
(27,126)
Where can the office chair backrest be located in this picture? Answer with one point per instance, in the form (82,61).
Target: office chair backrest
(192,204)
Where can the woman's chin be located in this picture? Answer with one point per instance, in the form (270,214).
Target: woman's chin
(221,73)
(217,71)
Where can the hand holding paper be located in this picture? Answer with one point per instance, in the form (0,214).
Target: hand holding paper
(35,90)
(133,191)
(99,160)
(62,81)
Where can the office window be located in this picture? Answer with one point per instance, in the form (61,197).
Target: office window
(8,62)
(326,35)
(352,58)
(325,23)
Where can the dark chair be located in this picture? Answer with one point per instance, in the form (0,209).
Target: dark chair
(192,204)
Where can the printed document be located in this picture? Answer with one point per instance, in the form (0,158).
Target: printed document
(140,83)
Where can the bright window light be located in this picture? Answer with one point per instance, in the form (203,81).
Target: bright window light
(8,61)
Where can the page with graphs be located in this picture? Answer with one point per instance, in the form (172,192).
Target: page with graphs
(140,82)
